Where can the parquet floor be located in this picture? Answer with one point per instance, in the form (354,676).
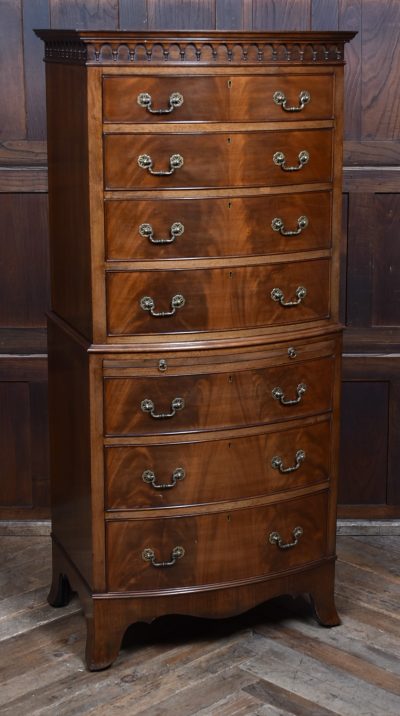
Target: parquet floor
(273,661)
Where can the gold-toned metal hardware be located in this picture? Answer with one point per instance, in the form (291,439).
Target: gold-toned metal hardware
(275,538)
(147,406)
(292,353)
(277,224)
(175,162)
(279,98)
(280,160)
(148,555)
(277,463)
(278,394)
(162,365)
(147,304)
(144,99)
(150,477)
(229,84)
(278,296)
(176,229)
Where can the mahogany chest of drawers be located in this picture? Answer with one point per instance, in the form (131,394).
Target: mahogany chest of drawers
(194,344)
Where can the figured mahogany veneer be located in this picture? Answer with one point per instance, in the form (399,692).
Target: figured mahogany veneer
(232,226)
(220,548)
(217,470)
(217,400)
(217,160)
(234,99)
(217,298)
(193,455)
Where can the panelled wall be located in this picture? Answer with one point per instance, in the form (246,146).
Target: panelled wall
(370,474)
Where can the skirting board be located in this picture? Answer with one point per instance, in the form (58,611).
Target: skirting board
(42,528)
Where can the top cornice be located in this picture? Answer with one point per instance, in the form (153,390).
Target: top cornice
(127,47)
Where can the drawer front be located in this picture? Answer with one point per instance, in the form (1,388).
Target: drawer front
(195,473)
(218,160)
(180,228)
(217,299)
(216,99)
(218,548)
(216,400)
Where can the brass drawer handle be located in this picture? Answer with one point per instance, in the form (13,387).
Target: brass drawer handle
(279,296)
(145,100)
(147,304)
(277,463)
(275,538)
(279,98)
(151,479)
(278,394)
(147,406)
(146,230)
(280,160)
(175,162)
(149,556)
(277,224)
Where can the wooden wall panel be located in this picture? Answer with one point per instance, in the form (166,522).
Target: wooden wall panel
(96,14)
(181,14)
(33,15)
(24,292)
(281,14)
(12,124)
(381,84)
(364,441)
(370,257)
(15,448)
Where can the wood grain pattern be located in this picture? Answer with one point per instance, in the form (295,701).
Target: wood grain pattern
(212,545)
(364,443)
(240,98)
(84,13)
(216,470)
(34,14)
(217,227)
(281,15)
(181,14)
(199,665)
(217,299)
(15,446)
(24,289)
(217,160)
(13,122)
(217,400)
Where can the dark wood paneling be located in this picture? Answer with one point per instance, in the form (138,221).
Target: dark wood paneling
(281,14)
(393,483)
(24,295)
(364,438)
(93,14)
(381,84)
(35,14)
(181,14)
(350,19)
(12,111)
(361,232)
(133,14)
(233,14)
(15,449)
(385,257)
(324,14)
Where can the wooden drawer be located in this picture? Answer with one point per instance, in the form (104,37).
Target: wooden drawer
(217,159)
(218,548)
(216,99)
(212,471)
(217,227)
(216,299)
(214,400)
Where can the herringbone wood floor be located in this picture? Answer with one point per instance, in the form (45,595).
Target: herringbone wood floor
(273,661)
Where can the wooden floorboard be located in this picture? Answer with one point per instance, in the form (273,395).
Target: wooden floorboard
(273,661)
